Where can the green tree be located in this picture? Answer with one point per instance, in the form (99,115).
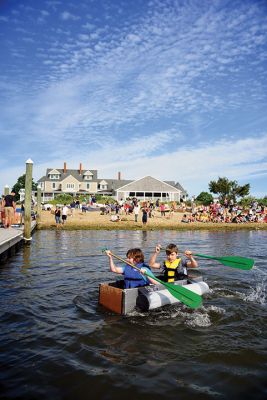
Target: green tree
(63,198)
(21,185)
(204,198)
(228,189)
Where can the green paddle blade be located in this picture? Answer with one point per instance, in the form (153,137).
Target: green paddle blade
(232,261)
(189,298)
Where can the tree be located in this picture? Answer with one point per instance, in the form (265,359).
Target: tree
(21,185)
(205,198)
(228,189)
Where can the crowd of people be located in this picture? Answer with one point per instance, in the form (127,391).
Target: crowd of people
(226,213)
(136,207)
(142,211)
(214,213)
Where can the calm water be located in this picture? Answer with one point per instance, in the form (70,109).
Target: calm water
(57,343)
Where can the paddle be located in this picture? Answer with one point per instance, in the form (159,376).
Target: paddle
(186,296)
(231,261)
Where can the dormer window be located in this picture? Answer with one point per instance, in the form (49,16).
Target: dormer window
(88,176)
(103,185)
(54,174)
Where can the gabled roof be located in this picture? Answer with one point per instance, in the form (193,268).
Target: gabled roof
(74,172)
(54,171)
(88,173)
(68,176)
(177,185)
(148,184)
(114,184)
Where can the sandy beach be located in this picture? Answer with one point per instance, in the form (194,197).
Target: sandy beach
(94,220)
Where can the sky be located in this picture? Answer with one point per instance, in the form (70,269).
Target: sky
(175,89)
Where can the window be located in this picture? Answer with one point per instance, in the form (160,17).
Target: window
(53,185)
(70,186)
(88,177)
(54,176)
(88,185)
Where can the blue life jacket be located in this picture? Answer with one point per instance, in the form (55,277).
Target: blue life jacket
(133,278)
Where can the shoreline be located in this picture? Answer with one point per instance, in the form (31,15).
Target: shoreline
(96,221)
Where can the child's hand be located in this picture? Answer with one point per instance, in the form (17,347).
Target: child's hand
(188,253)
(143,271)
(108,253)
(158,248)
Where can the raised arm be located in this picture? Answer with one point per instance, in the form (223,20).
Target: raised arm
(191,262)
(112,266)
(152,261)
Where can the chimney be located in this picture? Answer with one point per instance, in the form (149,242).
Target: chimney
(80,170)
(119,176)
(65,168)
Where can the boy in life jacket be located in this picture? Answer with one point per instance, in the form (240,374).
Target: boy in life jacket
(174,268)
(132,277)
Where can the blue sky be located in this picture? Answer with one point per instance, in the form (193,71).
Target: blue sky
(175,89)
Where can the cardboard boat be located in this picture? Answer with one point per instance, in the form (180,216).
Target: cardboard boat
(122,301)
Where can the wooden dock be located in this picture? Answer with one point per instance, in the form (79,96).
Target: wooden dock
(11,239)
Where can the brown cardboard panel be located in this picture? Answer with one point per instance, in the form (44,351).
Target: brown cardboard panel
(111,297)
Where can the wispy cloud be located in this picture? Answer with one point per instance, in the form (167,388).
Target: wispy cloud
(167,87)
(67,16)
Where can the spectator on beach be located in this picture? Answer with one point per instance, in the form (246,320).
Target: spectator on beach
(185,219)
(10,209)
(72,208)
(64,214)
(174,268)
(145,214)
(136,211)
(84,207)
(57,216)
(162,209)
(132,277)
(2,210)
(115,218)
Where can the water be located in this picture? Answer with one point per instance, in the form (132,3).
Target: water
(57,343)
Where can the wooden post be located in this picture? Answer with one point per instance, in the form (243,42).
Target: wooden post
(28,200)
(38,204)
(6,190)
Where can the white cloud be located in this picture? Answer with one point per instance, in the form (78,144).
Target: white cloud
(67,16)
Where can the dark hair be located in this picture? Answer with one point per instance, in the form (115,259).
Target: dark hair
(171,248)
(136,254)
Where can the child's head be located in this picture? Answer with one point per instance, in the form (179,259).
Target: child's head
(136,254)
(171,252)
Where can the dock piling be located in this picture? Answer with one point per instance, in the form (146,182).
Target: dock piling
(28,200)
